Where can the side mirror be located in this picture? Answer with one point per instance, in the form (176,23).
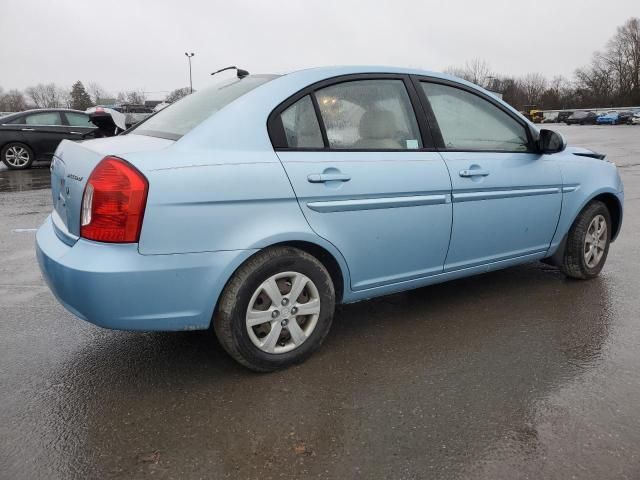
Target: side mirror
(551,142)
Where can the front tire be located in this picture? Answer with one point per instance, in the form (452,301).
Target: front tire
(17,156)
(588,242)
(276,310)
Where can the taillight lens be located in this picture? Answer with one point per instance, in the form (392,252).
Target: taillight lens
(113,202)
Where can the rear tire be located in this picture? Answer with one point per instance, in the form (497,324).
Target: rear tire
(17,156)
(588,242)
(258,320)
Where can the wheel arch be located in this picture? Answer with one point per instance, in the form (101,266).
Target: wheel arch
(615,210)
(613,204)
(327,259)
(330,258)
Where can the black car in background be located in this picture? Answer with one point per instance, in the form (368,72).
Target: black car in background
(35,134)
(562,116)
(625,118)
(582,118)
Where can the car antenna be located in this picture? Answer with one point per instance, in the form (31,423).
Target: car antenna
(239,72)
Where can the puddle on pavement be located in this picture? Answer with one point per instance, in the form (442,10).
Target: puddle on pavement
(36,178)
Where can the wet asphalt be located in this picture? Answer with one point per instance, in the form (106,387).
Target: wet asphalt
(515,374)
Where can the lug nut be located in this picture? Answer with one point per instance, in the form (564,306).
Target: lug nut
(285,301)
(294,310)
(275,313)
(284,322)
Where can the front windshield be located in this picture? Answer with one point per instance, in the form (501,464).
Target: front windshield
(178,119)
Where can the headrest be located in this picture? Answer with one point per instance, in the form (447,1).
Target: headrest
(377,124)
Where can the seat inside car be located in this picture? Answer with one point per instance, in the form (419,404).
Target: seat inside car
(307,133)
(377,130)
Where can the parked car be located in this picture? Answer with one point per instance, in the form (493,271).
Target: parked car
(635,119)
(625,118)
(110,122)
(610,118)
(35,134)
(551,117)
(562,116)
(135,113)
(257,204)
(582,118)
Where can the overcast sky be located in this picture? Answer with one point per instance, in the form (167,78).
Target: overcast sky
(140,44)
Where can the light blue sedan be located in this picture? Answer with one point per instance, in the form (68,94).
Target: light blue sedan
(259,203)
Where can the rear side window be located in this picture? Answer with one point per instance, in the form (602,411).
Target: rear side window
(369,115)
(469,122)
(301,126)
(45,118)
(78,120)
(178,119)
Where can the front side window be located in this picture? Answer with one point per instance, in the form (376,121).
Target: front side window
(469,122)
(45,118)
(301,126)
(79,120)
(369,115)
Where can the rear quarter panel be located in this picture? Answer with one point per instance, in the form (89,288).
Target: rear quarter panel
(221,201)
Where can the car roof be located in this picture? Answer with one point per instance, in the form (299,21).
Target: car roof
(337,70)
(44,110)
(37,110)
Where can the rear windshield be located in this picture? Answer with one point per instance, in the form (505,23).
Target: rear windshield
(177,119)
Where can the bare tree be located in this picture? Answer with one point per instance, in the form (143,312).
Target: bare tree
(12,101)
(177,94)
(595,83)
(479,71)
(613,77)
(136,96)
(534,85)
(475,71)
(96,92)
(132,96)
(46,95)
(459,72)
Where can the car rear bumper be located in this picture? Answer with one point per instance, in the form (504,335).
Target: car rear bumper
(114,286)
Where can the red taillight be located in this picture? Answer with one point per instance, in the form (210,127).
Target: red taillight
(113,202)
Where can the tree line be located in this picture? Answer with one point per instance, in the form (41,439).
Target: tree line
(78,97)
(612,79)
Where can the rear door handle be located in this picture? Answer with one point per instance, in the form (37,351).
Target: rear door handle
(76,133)
(474,172)
(28,129)
(328,177)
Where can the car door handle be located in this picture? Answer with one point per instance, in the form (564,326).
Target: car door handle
(28,129)
(75,133)
(474,172)
(328,177)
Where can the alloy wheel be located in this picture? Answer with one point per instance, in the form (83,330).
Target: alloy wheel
(17,156)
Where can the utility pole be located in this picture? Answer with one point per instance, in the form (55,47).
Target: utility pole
(189,55)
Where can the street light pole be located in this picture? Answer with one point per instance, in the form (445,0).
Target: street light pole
(189,55)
